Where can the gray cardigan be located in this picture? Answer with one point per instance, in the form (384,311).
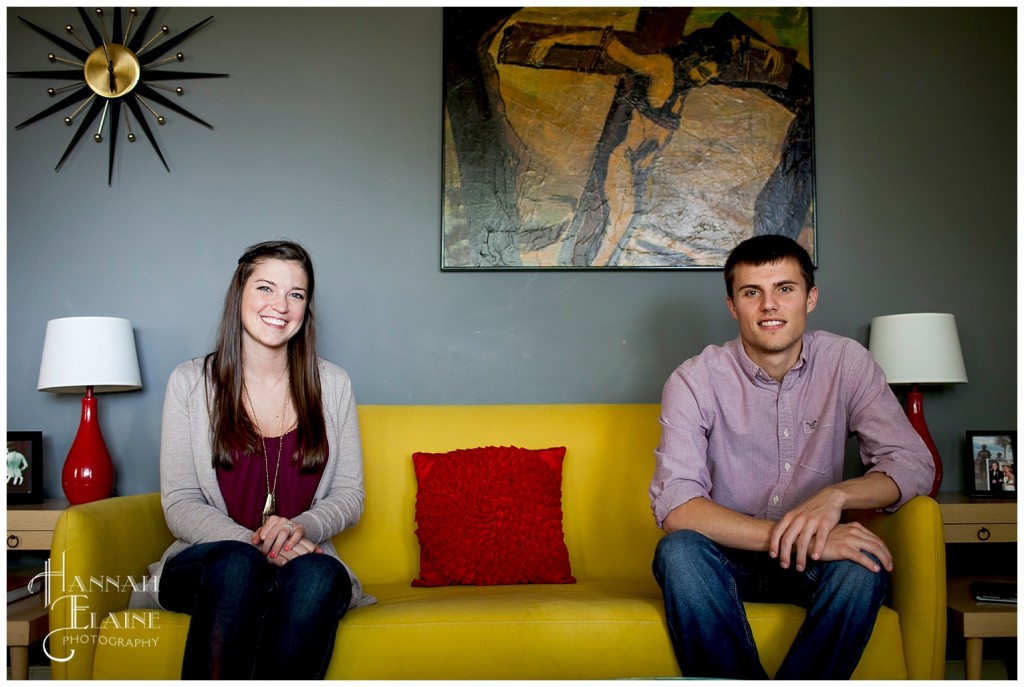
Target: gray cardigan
(192,502)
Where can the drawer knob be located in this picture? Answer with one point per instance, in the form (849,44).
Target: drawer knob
(984,534)
(13,541)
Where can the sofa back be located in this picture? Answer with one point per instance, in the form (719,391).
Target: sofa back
(609,461)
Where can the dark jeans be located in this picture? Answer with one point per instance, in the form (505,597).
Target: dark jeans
(704,586)
(251,618)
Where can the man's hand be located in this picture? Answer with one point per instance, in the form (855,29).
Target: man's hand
(805,529)
(852,541)
(812,529)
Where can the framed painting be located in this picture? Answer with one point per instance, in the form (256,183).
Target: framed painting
(992,462)
(24,467)
(632,137)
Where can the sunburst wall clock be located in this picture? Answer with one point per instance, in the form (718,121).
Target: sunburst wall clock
(119,76)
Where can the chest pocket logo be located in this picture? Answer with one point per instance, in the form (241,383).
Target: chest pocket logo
(810,426)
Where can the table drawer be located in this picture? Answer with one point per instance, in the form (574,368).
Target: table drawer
(29,540)
(980,533)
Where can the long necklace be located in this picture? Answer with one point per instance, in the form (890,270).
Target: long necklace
(270,505)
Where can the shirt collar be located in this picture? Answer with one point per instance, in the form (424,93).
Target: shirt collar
(753,371)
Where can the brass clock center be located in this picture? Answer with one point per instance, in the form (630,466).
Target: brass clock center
(112,70)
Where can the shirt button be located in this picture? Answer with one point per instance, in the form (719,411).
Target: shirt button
(786,467)
(775,499)
(785,433)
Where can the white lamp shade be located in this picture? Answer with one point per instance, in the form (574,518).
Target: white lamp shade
(89,351)
(918,348)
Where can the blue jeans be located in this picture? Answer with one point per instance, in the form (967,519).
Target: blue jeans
(251,618)
(705,585)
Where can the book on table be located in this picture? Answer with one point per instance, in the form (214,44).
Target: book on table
(21,583)
(994,592)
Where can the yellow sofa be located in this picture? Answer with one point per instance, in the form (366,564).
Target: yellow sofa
(610,624)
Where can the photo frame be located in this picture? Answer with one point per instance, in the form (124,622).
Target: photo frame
(624,137)
(992,463)
(24,467)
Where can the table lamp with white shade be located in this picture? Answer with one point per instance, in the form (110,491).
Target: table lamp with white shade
(919,348)
(88,355)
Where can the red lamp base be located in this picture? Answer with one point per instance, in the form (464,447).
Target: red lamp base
(88,473)
(915,413)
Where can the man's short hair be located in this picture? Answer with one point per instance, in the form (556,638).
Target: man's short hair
(765,250)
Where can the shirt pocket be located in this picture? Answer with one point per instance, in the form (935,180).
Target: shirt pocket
(818,452)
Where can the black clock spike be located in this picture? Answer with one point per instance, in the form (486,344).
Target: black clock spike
(115,119)
(115,31)
(87,120)
(57,40)
(81,94)
(160,75)
(68,74)
(97,40)
(149,92)
(170,43)
(141,119)
(140,33)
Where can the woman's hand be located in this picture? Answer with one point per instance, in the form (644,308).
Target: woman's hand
(301,549)
(281,540)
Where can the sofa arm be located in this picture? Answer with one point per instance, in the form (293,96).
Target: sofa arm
(99,551)
(918,581)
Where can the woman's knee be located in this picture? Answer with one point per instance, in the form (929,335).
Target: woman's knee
(234,560)
(316,580)
(213,570)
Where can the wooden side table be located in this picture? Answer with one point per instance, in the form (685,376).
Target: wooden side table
(982,523)
(27,622)
(29,528)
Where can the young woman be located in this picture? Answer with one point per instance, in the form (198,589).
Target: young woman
(260,465)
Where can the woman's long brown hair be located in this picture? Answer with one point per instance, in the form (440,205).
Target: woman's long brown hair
(231,427)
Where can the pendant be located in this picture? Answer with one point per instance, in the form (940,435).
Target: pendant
(270,507)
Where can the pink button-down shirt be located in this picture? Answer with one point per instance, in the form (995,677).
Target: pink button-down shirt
(732,434)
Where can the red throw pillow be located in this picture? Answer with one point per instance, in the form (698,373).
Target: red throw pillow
(489,516)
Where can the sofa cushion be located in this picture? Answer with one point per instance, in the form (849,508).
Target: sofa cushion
(491,515)
(590,630)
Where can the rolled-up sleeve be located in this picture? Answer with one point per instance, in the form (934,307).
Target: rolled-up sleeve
(888,442)
(681,470)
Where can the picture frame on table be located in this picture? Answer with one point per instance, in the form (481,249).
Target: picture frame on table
(24,467)
(992,463)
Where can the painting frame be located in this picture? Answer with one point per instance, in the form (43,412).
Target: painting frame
(531,181)
(991,465)
(29,487)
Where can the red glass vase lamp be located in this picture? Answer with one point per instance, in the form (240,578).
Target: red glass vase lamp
(919,348)
(89,355)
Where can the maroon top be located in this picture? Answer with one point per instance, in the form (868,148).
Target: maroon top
(244,485)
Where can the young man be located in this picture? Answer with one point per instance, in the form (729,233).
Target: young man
(749,484)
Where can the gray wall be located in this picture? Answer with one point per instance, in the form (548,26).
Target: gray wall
(328,132)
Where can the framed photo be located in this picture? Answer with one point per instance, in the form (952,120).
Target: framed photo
(24,467)
(992,462)
(624,137)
